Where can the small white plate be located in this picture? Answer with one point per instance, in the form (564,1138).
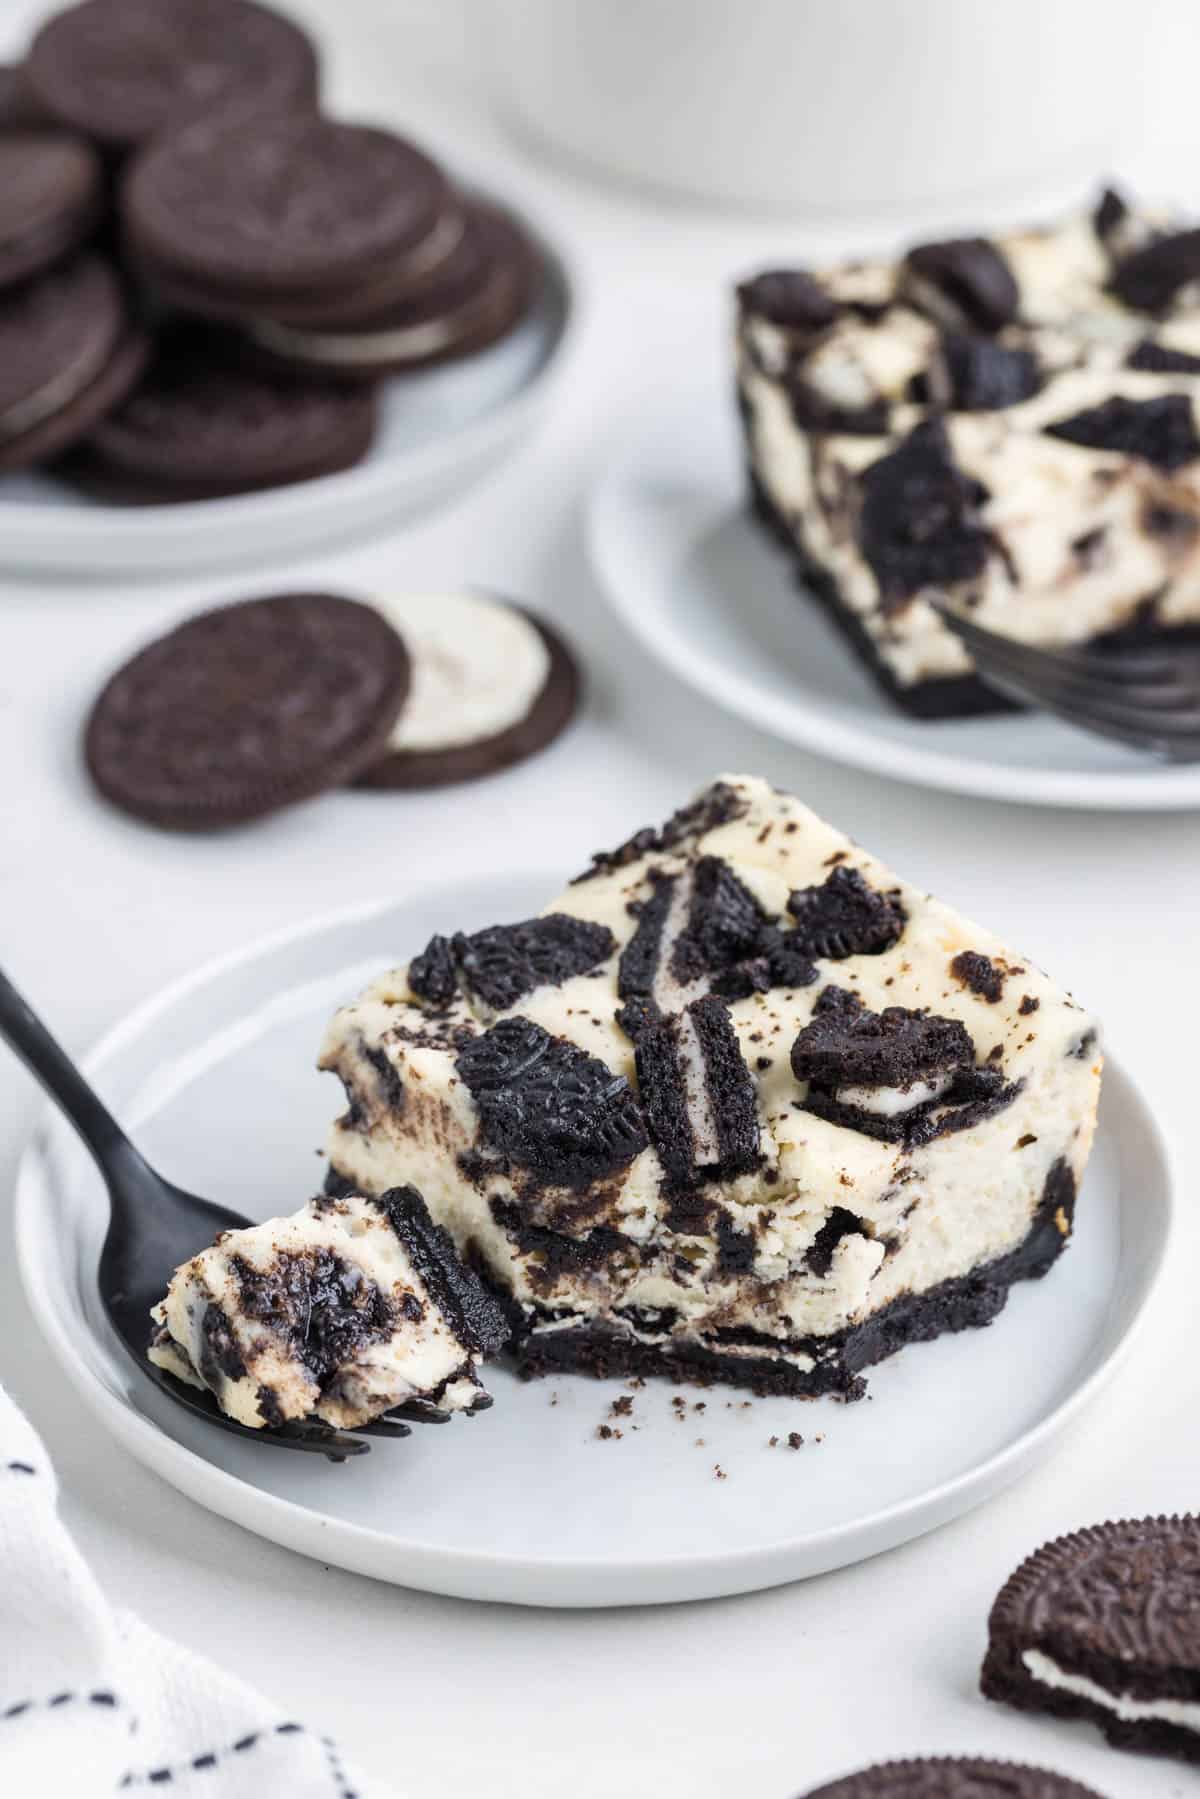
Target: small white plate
(215,1079)
(439,429)
(698,580)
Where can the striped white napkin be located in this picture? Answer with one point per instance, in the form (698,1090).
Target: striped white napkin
(92,1702)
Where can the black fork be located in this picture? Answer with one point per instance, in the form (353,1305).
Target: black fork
(1144,695)
(153,1228)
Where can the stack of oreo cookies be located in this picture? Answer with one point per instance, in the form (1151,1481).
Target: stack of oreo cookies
(203,279)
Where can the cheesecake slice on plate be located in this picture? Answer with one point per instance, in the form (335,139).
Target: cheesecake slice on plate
(741,1105)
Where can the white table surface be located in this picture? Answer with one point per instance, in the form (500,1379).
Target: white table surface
(757,1696)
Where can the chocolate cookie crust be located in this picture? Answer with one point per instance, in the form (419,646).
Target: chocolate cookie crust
(120,70)
(1104,1625)
(247,708)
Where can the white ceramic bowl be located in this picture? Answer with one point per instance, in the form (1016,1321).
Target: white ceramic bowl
(867,109)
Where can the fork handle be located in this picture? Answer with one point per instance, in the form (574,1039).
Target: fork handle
(24,1032)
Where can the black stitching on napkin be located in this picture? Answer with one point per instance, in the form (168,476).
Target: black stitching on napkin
(211,1758)
(55,1700)
(343,1790)
(21,1468)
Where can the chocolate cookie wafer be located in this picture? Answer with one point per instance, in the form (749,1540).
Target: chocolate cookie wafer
(201,423)
(51,200)
(492,684)
(69,353)
(119,71)
(1105,1625)
(289,217)
(18,111)
(952,1777)
(247,708)
(477,296)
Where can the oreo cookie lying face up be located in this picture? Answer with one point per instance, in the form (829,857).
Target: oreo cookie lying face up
(1105,1625)
(952,1777)
(492,684)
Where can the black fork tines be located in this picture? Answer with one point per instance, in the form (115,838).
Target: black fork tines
(1147,696)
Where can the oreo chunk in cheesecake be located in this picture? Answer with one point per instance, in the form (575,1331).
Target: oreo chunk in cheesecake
(493,684)
(1104,1625)
(725,1112)
(1007,421)
(952,1777)
(340,1312)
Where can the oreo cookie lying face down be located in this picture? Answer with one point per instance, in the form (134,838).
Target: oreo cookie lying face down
(492,685)
(958,422)
(724,1111)
(1105,1625)
(345,1309)
(952,1777)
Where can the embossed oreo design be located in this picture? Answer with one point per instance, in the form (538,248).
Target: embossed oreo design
(549,1107)
(939,1777)
(897,1075)
(503,963)
(1105,1624)
(698,1094)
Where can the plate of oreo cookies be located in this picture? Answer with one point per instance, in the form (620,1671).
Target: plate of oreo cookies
(226,317)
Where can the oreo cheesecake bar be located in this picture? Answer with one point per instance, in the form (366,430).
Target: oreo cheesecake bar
(740,1106)
(1009,422)
(340,1312)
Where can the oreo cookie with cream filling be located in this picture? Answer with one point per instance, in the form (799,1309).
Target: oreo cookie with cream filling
(492,685)
(202,423)
(119,71)
(1104,1625)
(51,200)
(290,217)
(69,353)
(475,298)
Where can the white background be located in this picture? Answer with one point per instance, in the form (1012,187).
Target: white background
(759,1696)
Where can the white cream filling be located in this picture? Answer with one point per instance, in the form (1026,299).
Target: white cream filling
(891,1102)
(1185,1713)
(478,668)
(706,1143)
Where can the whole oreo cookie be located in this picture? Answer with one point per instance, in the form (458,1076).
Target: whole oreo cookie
(952,1777)
(51,200)
(291,217)
(202,423)
(68,354)
(492,684)
(476,297)
(247,708)
(1105,1625)
(120,70)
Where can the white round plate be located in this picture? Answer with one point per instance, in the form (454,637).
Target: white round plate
(526,1503)
(712,596)
(439,428)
